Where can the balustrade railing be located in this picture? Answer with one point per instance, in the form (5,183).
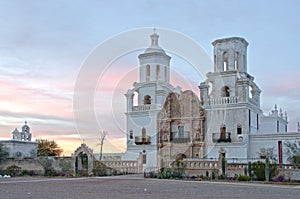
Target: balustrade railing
(198,164)
(128,166)
(219,137)
(145,107)
(223,100)
(139,140)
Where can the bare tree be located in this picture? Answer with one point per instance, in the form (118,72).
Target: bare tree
(293,152)
(102,136)
(267,153)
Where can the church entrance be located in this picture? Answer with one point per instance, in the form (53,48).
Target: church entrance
(181,127)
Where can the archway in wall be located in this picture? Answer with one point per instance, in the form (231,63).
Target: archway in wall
(84,161)
(81,164)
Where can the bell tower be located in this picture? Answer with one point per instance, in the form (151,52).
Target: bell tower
(230,54)
(154,63)
(149,94)
(231,99)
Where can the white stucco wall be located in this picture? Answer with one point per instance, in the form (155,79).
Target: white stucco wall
(271,141)
(20,148)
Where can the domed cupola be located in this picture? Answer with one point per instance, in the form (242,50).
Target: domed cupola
(154,48)
(154,63)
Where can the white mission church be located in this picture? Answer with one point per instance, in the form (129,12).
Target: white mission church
(169,123)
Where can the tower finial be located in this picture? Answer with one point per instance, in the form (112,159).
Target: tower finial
(154,39)
(154,30)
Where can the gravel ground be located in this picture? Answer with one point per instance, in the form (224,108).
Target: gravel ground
(137,187)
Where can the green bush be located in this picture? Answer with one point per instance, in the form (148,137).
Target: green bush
(1,171)
(99,169)
(14,170)
(221,177)
(50,172)
(243,178)
(66,168)
(166,173)
(25,173)
(259,170)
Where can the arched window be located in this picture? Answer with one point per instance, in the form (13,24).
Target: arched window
(147,72)
(165,137)
(144,157)
(135,99)
(131,134)
(225,91)
(210,88)
(225,61)
(223,132)
(236,61)
(215,62)
(166,73)
(157,71)
(239,129)
(250,92)
(180,131)
(143,133)
(147,99)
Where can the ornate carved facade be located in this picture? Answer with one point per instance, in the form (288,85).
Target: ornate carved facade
(181,127)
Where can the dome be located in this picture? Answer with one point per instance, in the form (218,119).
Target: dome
(154,48)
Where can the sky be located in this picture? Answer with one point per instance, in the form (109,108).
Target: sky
(45,44)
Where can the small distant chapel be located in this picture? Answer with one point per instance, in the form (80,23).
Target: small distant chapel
(21,145)
(168,124)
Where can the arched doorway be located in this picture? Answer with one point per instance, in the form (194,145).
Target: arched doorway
(84,160)
(81,164)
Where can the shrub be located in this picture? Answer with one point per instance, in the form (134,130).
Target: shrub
(1,171)
(66,168)
(25,173)
(279,178)
(233,178)
(259,170)
(99,169)
(32,173)
(14,170)
(50,173)
(166,173)
(178,169)
(243,178)
(221,177)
